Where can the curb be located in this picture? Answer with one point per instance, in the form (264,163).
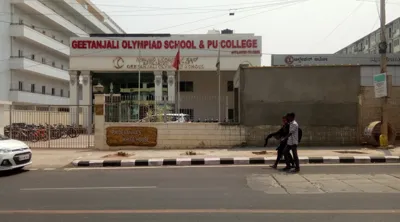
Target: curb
(232,161)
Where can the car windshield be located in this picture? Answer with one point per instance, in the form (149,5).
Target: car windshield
(2,137)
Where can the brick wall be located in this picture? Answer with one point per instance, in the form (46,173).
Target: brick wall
(312,135)
(186,136)
(370,108)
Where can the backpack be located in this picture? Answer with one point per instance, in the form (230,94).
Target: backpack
(300,134)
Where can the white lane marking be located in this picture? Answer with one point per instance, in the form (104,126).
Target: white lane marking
(87,188)
(47,169)
(225,166)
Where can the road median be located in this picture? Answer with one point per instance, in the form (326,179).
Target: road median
(232,161)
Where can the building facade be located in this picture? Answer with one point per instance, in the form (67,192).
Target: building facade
(35,47)
(139,69)
(369,64)
(369,44)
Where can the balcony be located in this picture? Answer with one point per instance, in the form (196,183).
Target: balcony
(88,16)
(40,8)
(21,96)
(32,35)
(43,69)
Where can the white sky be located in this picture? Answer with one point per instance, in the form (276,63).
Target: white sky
(306,26)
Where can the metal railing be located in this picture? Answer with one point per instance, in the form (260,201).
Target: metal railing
(51,126)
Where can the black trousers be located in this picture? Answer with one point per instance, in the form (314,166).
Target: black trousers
(286,153)
(280,154)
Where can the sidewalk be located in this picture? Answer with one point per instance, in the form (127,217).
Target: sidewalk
(53,158)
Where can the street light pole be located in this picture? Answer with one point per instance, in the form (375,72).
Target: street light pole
(385,101)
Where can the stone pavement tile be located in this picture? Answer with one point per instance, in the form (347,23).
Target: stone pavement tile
(302,188)
(296,184)
(319,177)
(396,175)
(348,176)
(336,186)
(377,176)
(289,178)
(265,183)
(390,181)
(371,187)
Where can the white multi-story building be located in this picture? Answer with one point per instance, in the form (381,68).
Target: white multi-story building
(369,44)
(35,47)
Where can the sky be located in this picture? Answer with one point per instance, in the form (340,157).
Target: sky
(286,26)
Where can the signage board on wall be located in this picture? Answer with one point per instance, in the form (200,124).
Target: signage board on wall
(331,59)
(380,85)
(162,63)
(190,45)
(131,136)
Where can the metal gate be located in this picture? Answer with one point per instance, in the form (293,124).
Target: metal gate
(51,126)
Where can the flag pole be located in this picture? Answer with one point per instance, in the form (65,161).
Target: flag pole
(219,83)
(139,85)
(179,81)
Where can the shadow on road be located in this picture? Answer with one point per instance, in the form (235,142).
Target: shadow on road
(12,172)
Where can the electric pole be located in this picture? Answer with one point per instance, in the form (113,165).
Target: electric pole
(384,140)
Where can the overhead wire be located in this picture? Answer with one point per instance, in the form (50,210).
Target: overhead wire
(204,11)
(184,23)
(340,24)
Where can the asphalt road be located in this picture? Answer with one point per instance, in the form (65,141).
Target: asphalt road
(320,193)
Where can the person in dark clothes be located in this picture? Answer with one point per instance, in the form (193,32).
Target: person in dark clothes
(280,135)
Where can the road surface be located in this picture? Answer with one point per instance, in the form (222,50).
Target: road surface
(319,193)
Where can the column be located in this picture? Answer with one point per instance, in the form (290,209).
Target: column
(158,85)
(74,97)
(3,122)
(87,98)
(171,86)
(99,130)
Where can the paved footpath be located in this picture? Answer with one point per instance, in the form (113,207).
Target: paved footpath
(57,158)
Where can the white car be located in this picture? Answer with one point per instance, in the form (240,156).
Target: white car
(14,154)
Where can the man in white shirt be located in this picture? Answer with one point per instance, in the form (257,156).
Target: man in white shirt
(292,142)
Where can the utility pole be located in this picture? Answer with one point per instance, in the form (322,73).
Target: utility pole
(384,140)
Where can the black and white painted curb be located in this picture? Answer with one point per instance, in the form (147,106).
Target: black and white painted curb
(232,161)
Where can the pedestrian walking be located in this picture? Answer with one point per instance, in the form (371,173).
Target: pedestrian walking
(280,135)
(292,143)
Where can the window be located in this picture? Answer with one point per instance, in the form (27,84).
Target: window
(43,89)
(61,92)
(390,32)
(396,42)
(33,56)
(230,86)
(390,48)
(53,64)
(62,66)
(53,91)
(21,22)
(33,88)
(33,27)
(43,60)
(186,86)
(190,112)
(230,114)
(20,53)
(20,86)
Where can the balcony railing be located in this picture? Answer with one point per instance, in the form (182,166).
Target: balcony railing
(36,92)
(62,67)
(43,32)
(60,14)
